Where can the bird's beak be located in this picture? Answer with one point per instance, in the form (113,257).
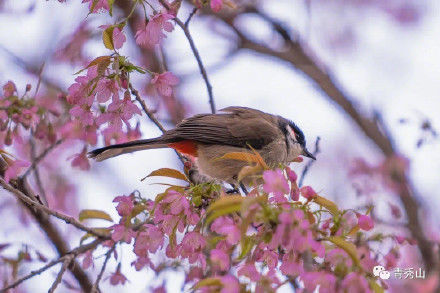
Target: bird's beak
(308,154)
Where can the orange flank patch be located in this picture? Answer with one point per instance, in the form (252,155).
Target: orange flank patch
(187,147)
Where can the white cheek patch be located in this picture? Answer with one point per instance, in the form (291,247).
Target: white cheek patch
(291,132)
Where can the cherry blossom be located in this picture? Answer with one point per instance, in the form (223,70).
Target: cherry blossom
(365,222)
(163,83)
(15,168)
(152,33)
(275,182)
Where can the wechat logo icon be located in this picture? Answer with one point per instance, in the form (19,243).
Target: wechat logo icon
(379,271)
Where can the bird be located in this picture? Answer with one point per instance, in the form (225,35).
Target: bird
(208,137)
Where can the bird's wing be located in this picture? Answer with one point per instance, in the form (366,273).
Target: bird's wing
(237,127)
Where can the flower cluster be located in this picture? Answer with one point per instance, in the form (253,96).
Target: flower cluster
(261,241)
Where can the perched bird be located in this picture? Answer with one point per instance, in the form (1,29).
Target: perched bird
(208,137)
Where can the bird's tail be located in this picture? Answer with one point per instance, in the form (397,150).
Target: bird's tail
(128,147)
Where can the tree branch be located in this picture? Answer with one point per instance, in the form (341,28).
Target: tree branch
(309,163)
(196,55)
(295,54)
(101,273)
(41,157)
(67,261)
(33,204)
(151,115)
(69,256)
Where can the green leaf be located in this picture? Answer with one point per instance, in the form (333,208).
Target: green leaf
(94,214)
(246,245)
(167,172)
(208,282)
(328,204)
(93,6)
(105,231)
(375,287)
(110,6)
(107,38)
(223,206)
(349,248)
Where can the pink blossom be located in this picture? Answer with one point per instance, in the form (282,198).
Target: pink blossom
(117,278)
(79,92)
(105,89)
(88,259)
(99,5)
(81,161)
(82,113)
(353,282)
(141,262)
(15,168)
(391,259)
(9,89)
(325,281)
(76,130)
(308,192)
(225,226)
(220,259)
(250,271)
(290,266)
(125,205)
(118,38)
(192,246)
(152,33)
(275,182)
(216,5)
(28,117)
(122,233)
(395,211)
(230,284)
(119,110)
(163,83)
(151,239)
(160,289)
(365,222)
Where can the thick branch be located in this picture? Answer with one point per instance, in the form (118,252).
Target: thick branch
(294,53)
(42,208)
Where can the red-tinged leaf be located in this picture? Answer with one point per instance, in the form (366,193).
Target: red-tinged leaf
(240,156)
(94,214)
(96,61)
(167,172)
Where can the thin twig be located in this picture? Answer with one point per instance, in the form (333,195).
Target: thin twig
(309,163)
(196,55)
(44,209)
(101,273)
(74,252)
(151,115)
(146,110)
(42,198)
(41,157)
(67,260)
(193,12)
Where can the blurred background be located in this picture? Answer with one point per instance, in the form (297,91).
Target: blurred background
(341,70)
